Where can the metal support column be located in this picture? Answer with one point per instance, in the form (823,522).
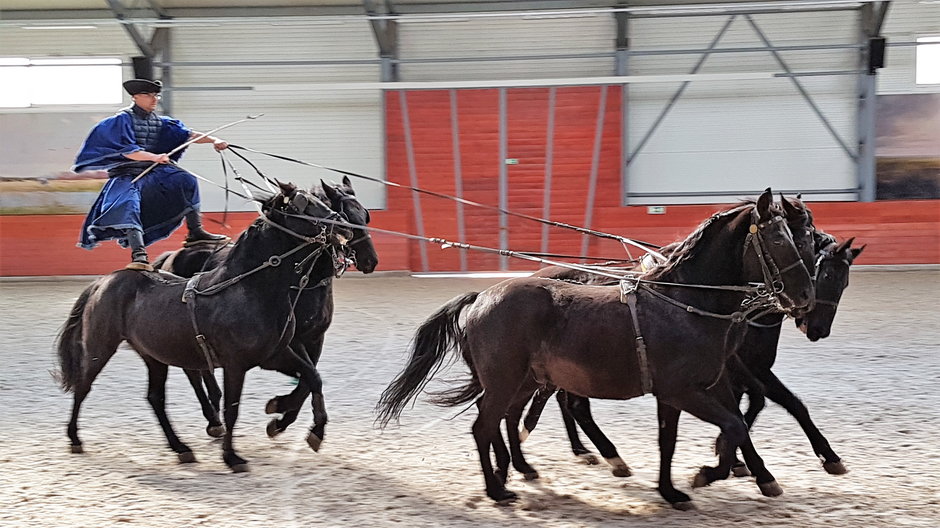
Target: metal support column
(385,30)
(622,67)
(503,178)
(871,19)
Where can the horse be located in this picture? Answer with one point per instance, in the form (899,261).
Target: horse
(170,321)
(573,408)
(752,375)
(593,341)
(314,310)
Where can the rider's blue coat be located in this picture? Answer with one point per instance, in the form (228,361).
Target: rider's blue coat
(156,204)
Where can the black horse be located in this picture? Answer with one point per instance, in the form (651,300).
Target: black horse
(314,310)
(752,375)
(577,409)
(668,337)
(237,316)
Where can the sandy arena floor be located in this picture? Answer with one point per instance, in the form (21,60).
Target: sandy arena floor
(873,388)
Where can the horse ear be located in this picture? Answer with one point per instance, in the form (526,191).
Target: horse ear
(788,208)
(287,189)
(763,203)
(331,193)
(799,196)
(845,245)
(855,252)
(347,182)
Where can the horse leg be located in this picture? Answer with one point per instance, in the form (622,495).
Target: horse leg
(209,412)
(486,433)
(213,389)
(156,395)
(779,393)
(755,404)
(310,383)
(668,429)
(291,404)
(97,356)
(580,409)
(512,432)
(535,411)
(234,380)
(717,406)
(576,446)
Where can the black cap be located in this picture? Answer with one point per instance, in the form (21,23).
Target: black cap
(137,86)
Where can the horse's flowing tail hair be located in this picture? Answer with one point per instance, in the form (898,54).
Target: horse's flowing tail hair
(434,338)
(71,349)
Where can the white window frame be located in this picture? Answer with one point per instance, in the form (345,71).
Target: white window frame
(79,83)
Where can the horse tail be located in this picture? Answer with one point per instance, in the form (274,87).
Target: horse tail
(434,338)
(70,346)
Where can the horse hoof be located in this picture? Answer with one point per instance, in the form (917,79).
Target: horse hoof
(740,471)
(700,481)
(835,468)
(186,457)
(523,434)
(770,489)
(621,471)
(505,497)
(589,459)
(532,475)
(271,406)
(215,431)
(77,449)
(240,468)
(314,441)
(684,506)
(272,429)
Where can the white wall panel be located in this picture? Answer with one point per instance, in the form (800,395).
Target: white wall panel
(338,129)
(476,37)
(742,136)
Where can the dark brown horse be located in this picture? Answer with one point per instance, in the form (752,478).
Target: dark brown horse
(314,310)
(762,335)
(752,375)
(664,334)
(237,316)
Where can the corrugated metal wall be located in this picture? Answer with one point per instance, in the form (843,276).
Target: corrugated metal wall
(333,128)
(742,135)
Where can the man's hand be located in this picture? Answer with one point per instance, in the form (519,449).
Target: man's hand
(161,158)
(220,145)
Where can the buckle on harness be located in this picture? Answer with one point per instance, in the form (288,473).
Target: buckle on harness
(626,288)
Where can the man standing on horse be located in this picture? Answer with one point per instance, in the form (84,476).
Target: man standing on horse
(138,213)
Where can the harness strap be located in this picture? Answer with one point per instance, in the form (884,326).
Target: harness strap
(189,297)
(628,291)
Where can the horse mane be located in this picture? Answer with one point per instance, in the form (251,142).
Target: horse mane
(689,247)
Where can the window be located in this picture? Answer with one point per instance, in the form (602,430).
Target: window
(34,82)
(927,61)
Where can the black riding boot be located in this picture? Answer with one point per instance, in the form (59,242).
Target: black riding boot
(135,241)
(197,234)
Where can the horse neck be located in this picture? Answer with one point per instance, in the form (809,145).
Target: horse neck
(718,255)
(256,246)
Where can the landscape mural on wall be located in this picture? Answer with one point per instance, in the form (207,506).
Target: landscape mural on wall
(908,147)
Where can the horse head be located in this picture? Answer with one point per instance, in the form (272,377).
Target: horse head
(299,212)
(800,221)
(342,199)
(780,263)
(832,277)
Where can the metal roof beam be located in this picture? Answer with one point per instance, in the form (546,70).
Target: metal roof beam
(120,13)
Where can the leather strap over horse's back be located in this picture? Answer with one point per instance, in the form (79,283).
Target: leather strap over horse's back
(189,298)
(628,293)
